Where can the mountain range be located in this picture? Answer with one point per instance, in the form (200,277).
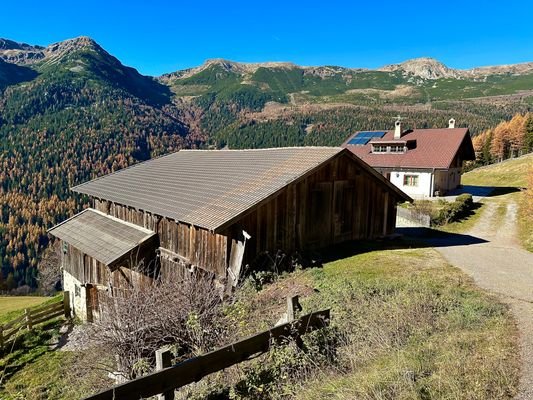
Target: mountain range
(71,111)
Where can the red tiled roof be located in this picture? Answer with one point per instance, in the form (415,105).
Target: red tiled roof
(435,148)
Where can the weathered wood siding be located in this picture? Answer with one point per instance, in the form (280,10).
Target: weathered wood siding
(336,203)
(90,271)
(184,244)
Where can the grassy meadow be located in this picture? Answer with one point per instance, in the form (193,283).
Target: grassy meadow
(13,306)
(405,325)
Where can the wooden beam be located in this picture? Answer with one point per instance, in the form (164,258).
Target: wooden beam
(196,368)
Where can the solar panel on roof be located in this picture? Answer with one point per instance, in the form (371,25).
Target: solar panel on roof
(370,134)
(363,138)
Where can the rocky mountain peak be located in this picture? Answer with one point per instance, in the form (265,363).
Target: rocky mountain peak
(20,53)
(6,44)
(23,54)
(79,43)
(424,67)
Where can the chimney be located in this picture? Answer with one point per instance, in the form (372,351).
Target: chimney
(451,123)
(398,129)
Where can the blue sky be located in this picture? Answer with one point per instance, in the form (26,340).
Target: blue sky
(163,36)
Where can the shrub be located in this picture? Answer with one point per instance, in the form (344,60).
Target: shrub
(455,211)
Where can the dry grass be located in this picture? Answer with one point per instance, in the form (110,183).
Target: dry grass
(510,173)
(405,325)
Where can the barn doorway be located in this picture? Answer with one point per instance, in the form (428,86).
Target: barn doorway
(318,224)
(343,206)
(93,310)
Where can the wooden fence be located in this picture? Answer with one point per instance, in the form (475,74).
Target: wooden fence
(194,369)
(34,316)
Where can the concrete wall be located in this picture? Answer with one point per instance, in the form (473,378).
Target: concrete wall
(408,218)
(78,295)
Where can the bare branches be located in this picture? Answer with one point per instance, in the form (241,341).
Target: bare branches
(50,270)
(185,314)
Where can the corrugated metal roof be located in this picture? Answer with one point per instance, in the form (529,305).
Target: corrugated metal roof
(100,236)
(207,188)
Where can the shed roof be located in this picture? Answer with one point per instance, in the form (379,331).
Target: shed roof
(435,148)
(209,188)
(101,236)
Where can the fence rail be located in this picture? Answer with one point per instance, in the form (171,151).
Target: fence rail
(34,316)
(194,369)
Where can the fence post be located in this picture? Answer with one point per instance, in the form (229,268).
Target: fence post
(27,313)
(293,305)
(66,304)
(163,359)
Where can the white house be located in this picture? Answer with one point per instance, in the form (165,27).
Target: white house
(421,162)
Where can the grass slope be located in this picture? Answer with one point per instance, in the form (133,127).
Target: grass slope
(405,325)
(509,173)
(505,176)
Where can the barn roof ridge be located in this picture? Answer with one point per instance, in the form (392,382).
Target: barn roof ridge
(209,188)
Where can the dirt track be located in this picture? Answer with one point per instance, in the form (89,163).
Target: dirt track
(501,266)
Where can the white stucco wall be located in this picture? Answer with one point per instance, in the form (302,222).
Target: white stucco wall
(78,295)
(424,183)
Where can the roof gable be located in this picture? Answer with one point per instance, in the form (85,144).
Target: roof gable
(211,188)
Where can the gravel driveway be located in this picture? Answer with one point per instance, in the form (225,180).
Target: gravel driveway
(501,266)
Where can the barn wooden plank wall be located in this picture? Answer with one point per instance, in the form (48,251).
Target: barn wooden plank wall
(88,270)
(336,203)
(340,201)
(195,246)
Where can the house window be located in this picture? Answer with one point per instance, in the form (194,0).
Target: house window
(65,247)
(77,291)
(396,149)
(380,148)
(410,180)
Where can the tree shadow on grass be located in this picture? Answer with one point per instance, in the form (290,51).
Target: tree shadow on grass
(487,191)
(405,238)
(27,348)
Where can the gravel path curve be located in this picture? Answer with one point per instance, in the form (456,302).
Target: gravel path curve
(501,266)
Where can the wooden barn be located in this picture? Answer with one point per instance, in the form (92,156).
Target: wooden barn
(217,210)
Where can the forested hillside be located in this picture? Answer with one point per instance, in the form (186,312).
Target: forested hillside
(506,140)
(70,112)
(82,116)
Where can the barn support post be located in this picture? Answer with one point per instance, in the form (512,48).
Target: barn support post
(66,304)
(163,359)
